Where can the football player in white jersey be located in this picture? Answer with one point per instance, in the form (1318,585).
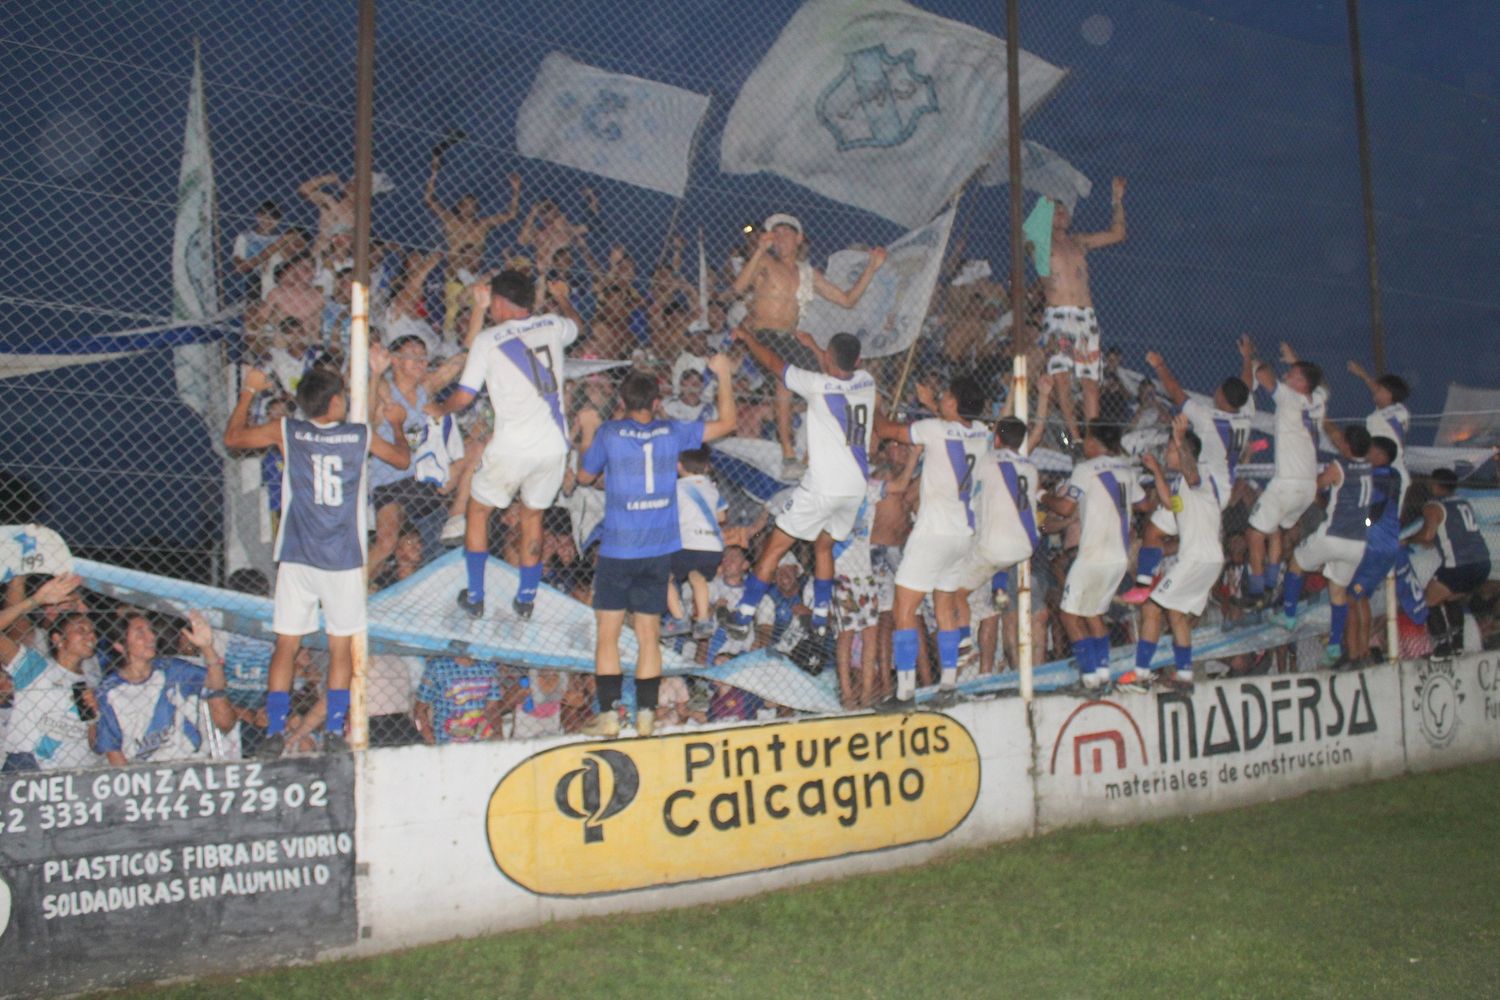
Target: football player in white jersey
(1300,402)
(1222,430)
(520,359)
(1391,418)
(933,560)
(1103,489)
(1007,493)
(1192,495)
(823,506)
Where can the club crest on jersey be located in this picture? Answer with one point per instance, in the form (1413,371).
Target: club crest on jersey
(877,100)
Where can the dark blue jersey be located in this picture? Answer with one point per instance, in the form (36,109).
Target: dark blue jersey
(639,462)
(323,495)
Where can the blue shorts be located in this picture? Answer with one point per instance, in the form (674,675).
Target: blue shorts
(1464,579)
(638,585)
(685,561)
(1372,570)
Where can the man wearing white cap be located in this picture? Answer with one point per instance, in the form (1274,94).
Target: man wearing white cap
(778,282)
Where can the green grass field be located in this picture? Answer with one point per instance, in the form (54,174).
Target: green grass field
(1389,890)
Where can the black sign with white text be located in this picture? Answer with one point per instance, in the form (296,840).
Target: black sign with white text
(117,876)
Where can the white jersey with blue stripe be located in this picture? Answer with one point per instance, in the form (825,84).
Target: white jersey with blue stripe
(155,719)
(44,721)
(1007,489)
(1391,422)
(950,451)
(698,507)
(521,362)
(1298,418)
(1223,436)
(839,422)
(1105,488)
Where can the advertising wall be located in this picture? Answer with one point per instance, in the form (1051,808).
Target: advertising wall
(512,834)
(117,876)
(1452,711)
(1129,758)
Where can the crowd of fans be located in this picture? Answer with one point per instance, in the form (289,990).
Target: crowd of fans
(87,677)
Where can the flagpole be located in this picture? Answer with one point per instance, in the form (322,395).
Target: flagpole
(359,321)
(1019,340)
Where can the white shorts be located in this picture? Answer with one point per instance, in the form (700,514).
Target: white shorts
(1337,558)
(806,515)
(978,569)
(1282,504)
(933,562)
(982,604)
(302,590)
(1091,586)
(1073,333)
(1187,586)
(501,476)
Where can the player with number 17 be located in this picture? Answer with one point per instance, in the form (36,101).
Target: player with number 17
(520,359)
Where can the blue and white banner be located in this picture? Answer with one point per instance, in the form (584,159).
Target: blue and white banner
(889,316)
(878,104)
(1043,172)
(633,130)
(195,290)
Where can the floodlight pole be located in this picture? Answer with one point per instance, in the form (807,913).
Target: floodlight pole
(1019,334)
(359,319)
(1377,322)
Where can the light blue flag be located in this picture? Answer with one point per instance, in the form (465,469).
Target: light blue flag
(633,130)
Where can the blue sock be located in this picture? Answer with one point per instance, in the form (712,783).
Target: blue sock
(964,632)
(1182,657)
(1293,593)
(755,589)
(1257,584)
(278,707)
(1100,654)
(822,598)
(1001,580)
(1145,564)
(1083,652)
(338,709)
(1145,652)
(531,579)
(947,643)
(1273,573)
(474,563)
(1336,620)
(904,649)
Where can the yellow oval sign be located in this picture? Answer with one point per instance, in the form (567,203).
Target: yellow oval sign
(628,814)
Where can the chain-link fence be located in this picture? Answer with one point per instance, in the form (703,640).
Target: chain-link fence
(504,139)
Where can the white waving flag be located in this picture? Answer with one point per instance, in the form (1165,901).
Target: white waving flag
(633,130)
(890,314)
(1043,172)
(877,104)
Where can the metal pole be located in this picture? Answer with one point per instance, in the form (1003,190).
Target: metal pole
(1019,340)
(359,309)
(1377,323)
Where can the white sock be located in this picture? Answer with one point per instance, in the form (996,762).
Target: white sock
(906,684)
(950,677)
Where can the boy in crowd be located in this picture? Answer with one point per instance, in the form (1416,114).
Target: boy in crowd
(321,538)
(933,559)
(520,359)
(53,709)
(1299,401)
(1103,490)
(1196,506)
(1222,430)
(1448,522)
(822,507)
(637,458)
(700,518)
(1338,545)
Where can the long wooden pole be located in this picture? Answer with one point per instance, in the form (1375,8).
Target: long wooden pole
(359,308)
(1019,340)
(1367,186)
